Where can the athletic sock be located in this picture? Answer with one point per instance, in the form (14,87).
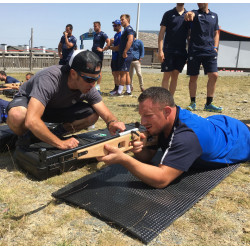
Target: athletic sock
(128,88)
(193,99)
(209,100)
(120,89)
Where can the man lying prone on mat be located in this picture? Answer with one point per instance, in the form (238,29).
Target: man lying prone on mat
(185,139)
(56,95)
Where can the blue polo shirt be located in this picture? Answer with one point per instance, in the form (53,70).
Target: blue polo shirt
(67,52)
(176,32)
(202,35)
(216,139)
(99,40)
(10,79)
(117,40)
(124,39)
(138,49)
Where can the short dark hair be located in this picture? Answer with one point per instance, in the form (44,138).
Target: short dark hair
(69,26)
(3,73)
(99,23)
(157,95)
(135,34)
(127,16)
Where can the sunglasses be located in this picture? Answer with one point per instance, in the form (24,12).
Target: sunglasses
(88,79)
(115,25)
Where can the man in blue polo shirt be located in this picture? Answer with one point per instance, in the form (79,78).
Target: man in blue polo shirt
(172,53)
(125,54)
(138,54)
(203,49)
(7,79)
(114,46)
(67,45)
(98,46)
(186,139)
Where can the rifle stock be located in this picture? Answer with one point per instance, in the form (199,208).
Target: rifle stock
(121,142)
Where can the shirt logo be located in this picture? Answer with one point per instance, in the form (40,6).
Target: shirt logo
(173,16)
(73,101)
(190,58)
(200,15)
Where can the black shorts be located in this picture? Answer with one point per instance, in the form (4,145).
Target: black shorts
(114,65)
(77,111)
(209,64)
(173,62)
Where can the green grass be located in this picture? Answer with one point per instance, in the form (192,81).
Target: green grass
(220,218)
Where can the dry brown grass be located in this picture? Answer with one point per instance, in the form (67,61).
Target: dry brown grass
(221,218)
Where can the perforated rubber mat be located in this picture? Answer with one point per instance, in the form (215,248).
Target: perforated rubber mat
(118,197)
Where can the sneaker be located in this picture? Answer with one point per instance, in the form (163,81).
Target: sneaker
(113,92)
(212,108)
(126,93)
(117,94)
(191,107)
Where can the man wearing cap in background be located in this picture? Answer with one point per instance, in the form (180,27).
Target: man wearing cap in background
(114,46)
(98,46)
(56,95)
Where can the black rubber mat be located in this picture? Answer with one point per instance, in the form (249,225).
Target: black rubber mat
(118,197)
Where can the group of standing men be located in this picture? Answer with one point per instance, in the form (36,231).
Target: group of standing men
(200,28)
(127,52)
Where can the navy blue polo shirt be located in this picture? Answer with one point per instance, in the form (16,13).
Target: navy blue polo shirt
(117,40)
(99,40)
(176,32)
(10,79)
(202,35)
(216,139)
(67,52)
(124,39)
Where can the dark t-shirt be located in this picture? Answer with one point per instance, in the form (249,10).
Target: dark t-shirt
(176,32)
(10,79)
(202,34)
(124,39)
(99,40)
(50,87)
(67,52)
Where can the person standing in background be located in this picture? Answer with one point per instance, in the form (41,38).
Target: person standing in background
(67,45)
(172,52)
(98,46)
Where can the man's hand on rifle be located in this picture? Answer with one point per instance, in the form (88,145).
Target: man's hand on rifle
(116,126)
(138,144)
(114,156)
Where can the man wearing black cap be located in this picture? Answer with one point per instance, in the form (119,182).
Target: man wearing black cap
(56,95)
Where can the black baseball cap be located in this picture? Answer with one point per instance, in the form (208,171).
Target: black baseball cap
(85,61)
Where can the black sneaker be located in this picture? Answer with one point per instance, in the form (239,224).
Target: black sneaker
(24,141)
(127,93)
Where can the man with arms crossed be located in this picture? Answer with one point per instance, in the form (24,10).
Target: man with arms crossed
(56,95)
